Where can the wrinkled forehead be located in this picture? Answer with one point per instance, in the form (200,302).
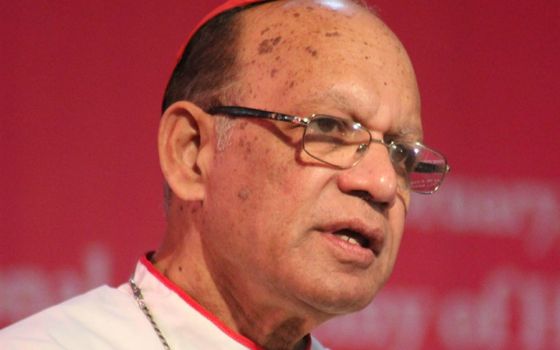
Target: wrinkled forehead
(305,50)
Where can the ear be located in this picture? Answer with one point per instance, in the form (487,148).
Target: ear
(185,132)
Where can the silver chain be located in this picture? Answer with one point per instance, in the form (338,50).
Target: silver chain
(140,300)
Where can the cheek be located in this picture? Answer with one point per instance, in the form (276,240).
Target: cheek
(264,163)
(254,176)
(253,201)
(258,176)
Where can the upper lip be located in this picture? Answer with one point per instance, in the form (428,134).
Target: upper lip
(374,235)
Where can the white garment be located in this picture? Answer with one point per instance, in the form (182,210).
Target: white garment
(109,318)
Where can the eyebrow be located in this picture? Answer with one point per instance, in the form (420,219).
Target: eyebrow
(330,95)
(404,136)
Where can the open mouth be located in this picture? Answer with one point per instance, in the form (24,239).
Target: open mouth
(359,239)
(352,237)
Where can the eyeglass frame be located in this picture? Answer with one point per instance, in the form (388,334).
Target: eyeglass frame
(237,111)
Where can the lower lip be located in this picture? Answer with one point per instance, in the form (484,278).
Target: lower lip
(350,253)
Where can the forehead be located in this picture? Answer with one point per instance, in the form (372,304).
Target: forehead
(297,56)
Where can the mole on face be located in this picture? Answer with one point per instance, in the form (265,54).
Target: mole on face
(243,194)
(331,34)
(311,51)
(267,45)
(242,125)
(245,146)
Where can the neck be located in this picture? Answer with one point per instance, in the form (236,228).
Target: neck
(249,310)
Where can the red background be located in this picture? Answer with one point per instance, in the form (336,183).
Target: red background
(81,86)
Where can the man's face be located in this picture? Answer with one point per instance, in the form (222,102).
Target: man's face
(277,222)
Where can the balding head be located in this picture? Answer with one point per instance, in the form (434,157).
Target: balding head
(208,65)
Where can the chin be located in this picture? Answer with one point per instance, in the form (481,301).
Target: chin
(342,298)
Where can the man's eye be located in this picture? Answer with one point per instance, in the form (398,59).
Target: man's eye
(399,152)
(329,125)
(404,156)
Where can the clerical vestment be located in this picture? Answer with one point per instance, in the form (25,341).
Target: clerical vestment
(110,318)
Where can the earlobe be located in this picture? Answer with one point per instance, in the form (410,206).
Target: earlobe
(184,149)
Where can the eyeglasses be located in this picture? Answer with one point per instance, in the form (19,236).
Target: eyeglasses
(342,143)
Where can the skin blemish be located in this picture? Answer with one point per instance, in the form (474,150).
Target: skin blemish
(243,125)
(277,58)
(265,30)
(366,57)
(292,83)
(331,34)
(243,194)
(267,45)
(296,14)
(385,83)
(309,8)
(311,51)
(273,72)
(180,268)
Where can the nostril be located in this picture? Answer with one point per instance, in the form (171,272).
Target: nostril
(372,202)
(363,195)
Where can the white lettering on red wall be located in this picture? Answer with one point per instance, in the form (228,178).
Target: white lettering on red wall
(525,210)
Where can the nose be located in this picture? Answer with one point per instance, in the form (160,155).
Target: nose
(374,175)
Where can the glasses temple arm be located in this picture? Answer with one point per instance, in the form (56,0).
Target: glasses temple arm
(253,113)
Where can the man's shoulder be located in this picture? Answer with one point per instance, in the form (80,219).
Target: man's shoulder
(98,318)
(74,310)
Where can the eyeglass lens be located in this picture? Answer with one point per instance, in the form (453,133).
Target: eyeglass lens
(335,141)
(342,143)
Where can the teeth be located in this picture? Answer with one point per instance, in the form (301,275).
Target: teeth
(348,239)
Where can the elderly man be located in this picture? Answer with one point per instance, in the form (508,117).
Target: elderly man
(290,143)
